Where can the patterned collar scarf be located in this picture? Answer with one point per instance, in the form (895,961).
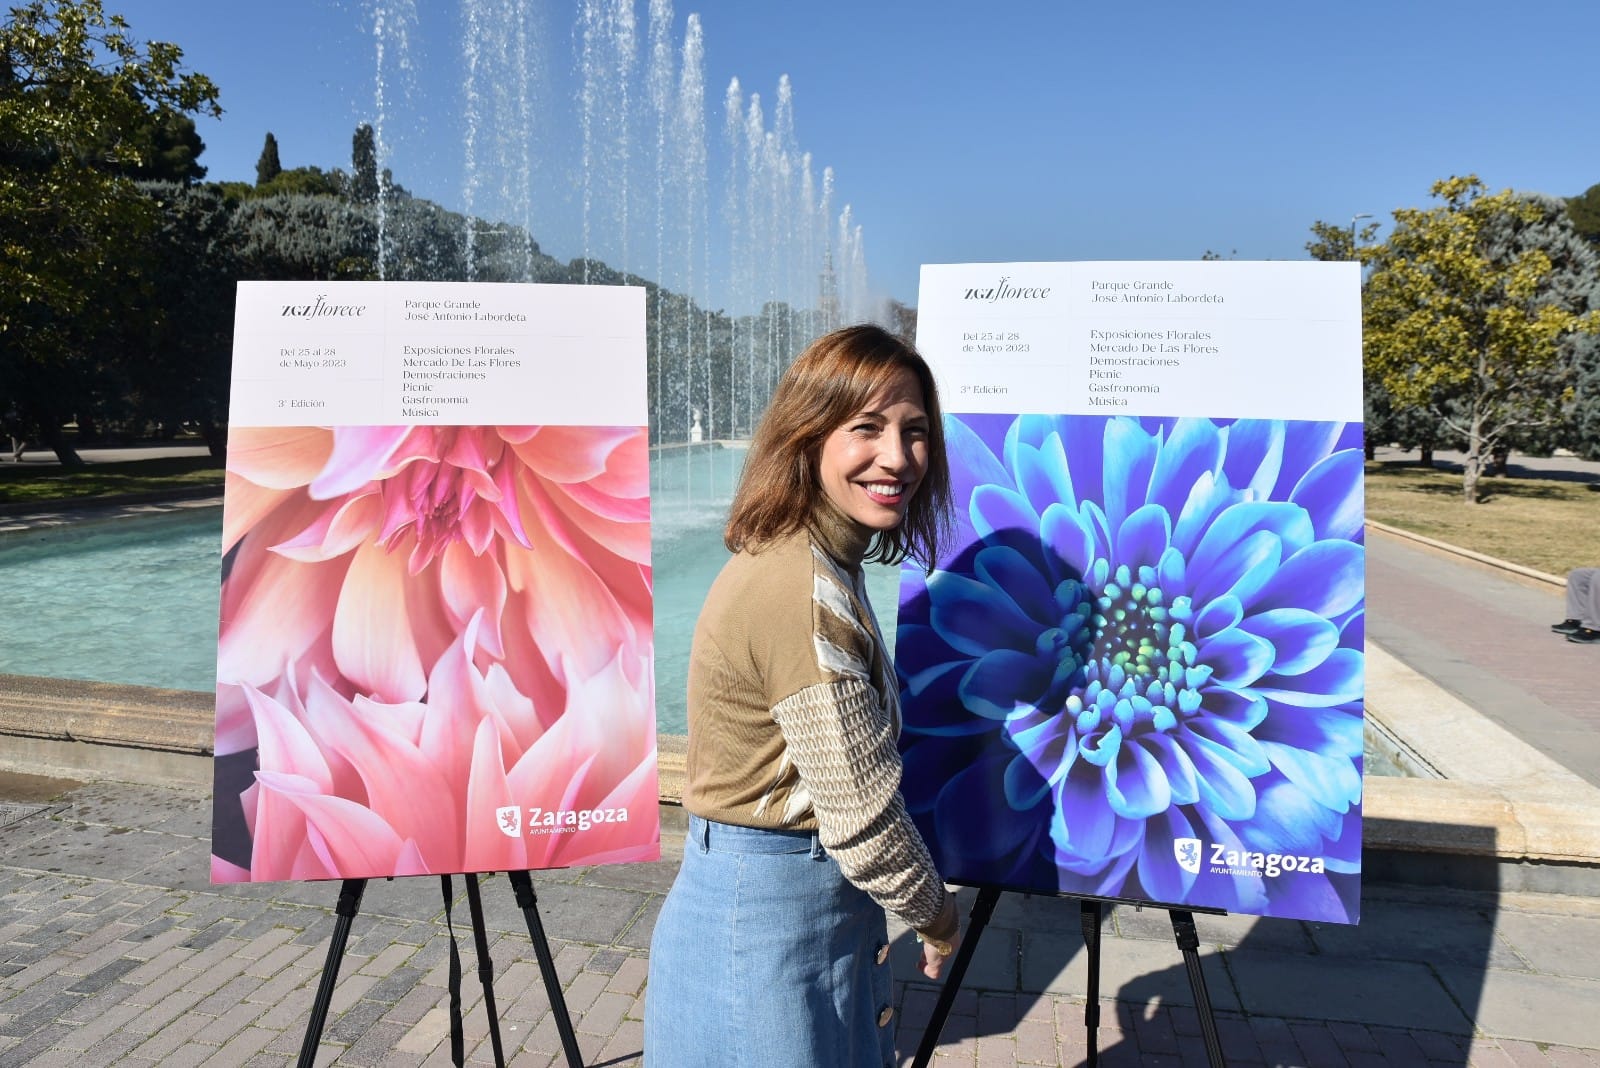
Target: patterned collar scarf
(840,536)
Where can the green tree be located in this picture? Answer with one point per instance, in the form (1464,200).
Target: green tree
(364,165)
(1585,439)
(1573,283)
(76,90)
(166,148)
(177,354)
(1462,328)
(299,236)
(268,166)
(1409,428)
(304,181)
(1585,212)
(170,148)
(1335,243)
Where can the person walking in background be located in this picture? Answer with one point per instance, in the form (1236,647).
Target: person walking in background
(772,946)
(1583,606)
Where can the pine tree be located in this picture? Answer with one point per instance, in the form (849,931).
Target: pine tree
(364,165)
(267,166)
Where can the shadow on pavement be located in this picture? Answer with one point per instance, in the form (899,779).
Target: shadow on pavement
(1405,984)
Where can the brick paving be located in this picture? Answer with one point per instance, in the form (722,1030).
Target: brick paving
(153,967)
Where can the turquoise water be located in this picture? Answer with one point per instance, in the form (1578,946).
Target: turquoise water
(135,601)
(689,493)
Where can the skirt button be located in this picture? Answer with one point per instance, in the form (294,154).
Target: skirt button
(883,954)
(885,1016)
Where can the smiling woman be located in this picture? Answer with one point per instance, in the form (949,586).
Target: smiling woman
(841,389)
(871,466)
(798,837)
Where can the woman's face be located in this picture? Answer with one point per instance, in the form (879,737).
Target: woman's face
(872,463)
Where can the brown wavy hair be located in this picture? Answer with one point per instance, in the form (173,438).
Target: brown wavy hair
(832,380)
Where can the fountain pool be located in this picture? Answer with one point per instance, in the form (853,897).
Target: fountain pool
(135,601)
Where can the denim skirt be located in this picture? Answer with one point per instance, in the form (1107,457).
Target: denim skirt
(764,954)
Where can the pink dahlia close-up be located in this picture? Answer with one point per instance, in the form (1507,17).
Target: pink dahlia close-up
(435,651)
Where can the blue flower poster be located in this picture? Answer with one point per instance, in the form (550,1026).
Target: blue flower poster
(1136,672)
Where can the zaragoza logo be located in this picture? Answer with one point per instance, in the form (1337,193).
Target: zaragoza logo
(1187,850)
(509,820)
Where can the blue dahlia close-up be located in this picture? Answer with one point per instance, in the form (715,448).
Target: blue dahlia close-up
(1138,673)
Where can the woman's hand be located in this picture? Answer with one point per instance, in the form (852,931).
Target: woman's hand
(933,956)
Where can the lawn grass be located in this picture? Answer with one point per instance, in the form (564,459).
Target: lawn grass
(32,484)
(1543,523)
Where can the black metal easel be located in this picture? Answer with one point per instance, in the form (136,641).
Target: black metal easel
(1183,931)
(350,903)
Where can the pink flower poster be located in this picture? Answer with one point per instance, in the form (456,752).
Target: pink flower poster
(435,650)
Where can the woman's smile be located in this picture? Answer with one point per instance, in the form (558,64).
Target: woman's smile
(870,466)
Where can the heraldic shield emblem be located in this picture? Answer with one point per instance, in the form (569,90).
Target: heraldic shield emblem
(1187,850)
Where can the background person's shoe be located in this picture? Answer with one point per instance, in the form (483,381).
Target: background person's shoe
(1585,635)
(1567,626)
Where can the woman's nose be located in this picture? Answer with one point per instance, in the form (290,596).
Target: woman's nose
(892,454)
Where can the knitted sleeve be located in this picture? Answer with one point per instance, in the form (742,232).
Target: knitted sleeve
(844,752)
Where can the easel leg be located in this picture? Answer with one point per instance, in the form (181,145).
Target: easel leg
(1090,919)
(977,920)
(1183,930)
(349,904)
(485,967)
(547,965)
(458,1033)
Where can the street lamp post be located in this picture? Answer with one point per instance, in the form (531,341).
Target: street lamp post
(1354,240)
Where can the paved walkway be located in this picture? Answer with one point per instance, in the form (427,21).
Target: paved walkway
(1485,636)
(37,457)
(1565,468)
(114,949)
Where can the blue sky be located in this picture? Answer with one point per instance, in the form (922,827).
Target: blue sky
(982,131)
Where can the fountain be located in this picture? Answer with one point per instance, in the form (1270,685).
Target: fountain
(753,232)
(625,127)
(614,152)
